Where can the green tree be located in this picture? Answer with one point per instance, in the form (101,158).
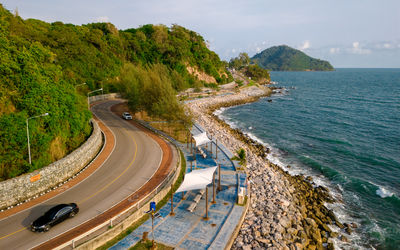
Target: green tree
(41,63)
(257,73)
(241,61)
(241,156)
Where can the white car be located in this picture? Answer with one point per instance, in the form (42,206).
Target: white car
(126,116)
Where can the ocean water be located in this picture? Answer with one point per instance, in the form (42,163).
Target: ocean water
(343,128)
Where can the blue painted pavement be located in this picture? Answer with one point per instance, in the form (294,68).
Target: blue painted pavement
(188,230)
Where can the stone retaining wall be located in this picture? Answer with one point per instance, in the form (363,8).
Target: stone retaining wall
(110,96)
(27,186)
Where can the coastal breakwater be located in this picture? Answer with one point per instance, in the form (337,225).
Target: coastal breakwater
(286,212)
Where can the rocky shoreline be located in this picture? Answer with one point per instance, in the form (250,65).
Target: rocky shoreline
(286,212)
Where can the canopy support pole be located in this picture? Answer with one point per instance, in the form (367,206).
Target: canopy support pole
(191,146)
(206,216)
(211,147)
(219,177)
(195,161)
(213,201)
(216,149)
(172,202)
(187,140)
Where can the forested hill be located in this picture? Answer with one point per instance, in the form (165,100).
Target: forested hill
(284,58)
(43,66)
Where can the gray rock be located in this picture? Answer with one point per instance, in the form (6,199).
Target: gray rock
(246,247)
(279,228)
(278,237)
(285,222)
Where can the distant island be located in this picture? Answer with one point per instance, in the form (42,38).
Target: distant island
(285,58)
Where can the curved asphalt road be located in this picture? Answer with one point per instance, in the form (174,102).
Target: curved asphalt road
(134,160)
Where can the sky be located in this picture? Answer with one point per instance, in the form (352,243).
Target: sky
(347,33)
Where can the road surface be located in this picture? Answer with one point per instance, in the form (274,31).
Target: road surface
(133,161)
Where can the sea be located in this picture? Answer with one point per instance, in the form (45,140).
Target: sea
(343,129)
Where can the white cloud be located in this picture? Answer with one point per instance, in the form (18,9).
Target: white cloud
(334,50)
(306,45)
(258,49)
(384,45)
(387,45)
(103,19)
(233,51)
(357,49)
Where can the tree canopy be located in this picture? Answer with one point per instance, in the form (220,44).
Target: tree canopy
(32,84)
(256,73)
(42,64)
(241,61)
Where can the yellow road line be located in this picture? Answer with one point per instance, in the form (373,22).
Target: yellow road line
(106,186)
(13,233)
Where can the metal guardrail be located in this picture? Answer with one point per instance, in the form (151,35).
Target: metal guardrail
(114,221)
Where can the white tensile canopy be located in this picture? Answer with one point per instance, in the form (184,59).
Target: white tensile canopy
(201,139)
(197,179)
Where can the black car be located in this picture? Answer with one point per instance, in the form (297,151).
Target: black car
(54,216)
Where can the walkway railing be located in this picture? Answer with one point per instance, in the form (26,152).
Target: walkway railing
(136,206)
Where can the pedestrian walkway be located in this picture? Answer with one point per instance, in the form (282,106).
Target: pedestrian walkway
(187,229)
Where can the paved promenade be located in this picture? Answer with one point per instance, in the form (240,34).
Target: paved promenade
(187,229)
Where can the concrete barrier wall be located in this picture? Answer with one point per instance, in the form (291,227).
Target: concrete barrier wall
(110,96)
(27,186)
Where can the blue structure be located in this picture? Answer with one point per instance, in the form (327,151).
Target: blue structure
(188,230)
(152,206)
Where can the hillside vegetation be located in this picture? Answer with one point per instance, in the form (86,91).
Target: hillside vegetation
(255,72)
(284,58)
(42,67)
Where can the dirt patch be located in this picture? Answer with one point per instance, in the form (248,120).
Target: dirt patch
(202,76)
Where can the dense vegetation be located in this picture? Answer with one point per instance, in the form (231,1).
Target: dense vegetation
(32,84)
(42,67)
(152,89)
(175,47)
(239,62)
(284,58)
(257,73)
(242,63)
